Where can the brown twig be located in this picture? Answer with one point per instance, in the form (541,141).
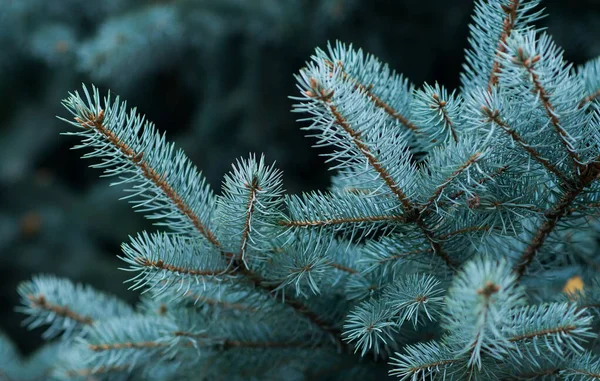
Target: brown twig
(441,106)
(160,264)
(528,63)
(40,301)
(438,191)
(367,90)
(589,98)
(295,304)
(552,217)
(373,161)
(481,181)
(127,345)
(96,122)
(543,332)
(343,220)
(494,116)
(507,27)
(343,268)
(86,372)
(555,214)
(217,302)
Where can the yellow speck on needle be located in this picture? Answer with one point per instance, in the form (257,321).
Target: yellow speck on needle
(573,286)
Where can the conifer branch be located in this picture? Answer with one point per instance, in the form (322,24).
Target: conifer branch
(295,304)
(422,361)
(584,208)
(127,345)
(161,265)
(96,122)
(468,229)
(590,98)
(554,215)
(40,301)
(435,245)
(343,268)
(481,181)
(335,265)
(95,371)
(343,220)
(253,187)
(441,106)
(544,332)
(584,373)
(257,280)
(389,212)
(494,116)
(371,158)
(221,303)
(367,90)
(440,188)
(90,120)
(528,64)
(507,27)
(403,255)
(421,368)
(66,308)
(325,96)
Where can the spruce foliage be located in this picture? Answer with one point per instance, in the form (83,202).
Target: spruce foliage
(438,252)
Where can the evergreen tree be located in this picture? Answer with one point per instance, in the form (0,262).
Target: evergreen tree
(452,220)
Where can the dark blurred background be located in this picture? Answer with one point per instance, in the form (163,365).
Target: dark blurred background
(214,74)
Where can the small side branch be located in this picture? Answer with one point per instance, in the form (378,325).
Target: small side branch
(95,371)
(590,98)
(438,191)
(367,90)
(344,220)
(160,264)
(494,116)
(373,161)
(296,305)
(584,373)
(96,122)
(127,345)
(553,216)
(343,268)
(528,64)
(435,245)
(335,265)
(253,187)
(409,208)
(545,332)
(441,106)
(507,27)
(481,181)
(41,302)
